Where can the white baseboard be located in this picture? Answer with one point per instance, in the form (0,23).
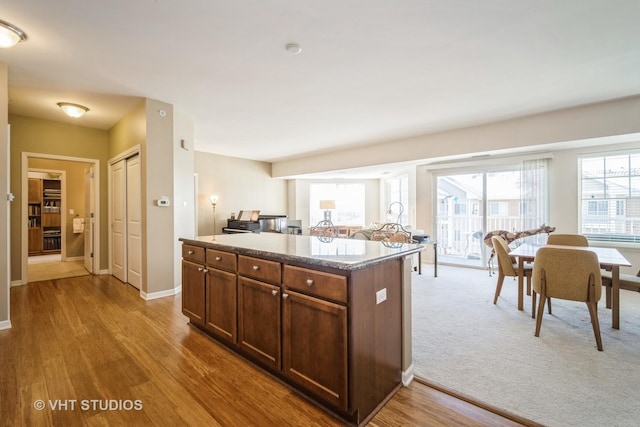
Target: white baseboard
(75,258)
(5,324)
(407,376)
(17,283)
(161,294)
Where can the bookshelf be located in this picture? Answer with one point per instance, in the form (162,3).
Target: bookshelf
(45,200)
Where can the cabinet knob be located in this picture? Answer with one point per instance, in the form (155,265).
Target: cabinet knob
(191,252)
(218,258)
(309,282)
(200,268)
(285,296)
(256,267)
(205,271)
(274,292)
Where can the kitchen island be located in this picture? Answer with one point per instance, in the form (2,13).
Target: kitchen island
(329,316)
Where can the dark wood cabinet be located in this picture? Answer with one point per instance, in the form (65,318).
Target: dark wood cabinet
(259,321)
(193,291)
(335,334)
(314,346)
(221,304)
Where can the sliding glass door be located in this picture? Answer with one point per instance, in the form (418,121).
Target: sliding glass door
(471,204)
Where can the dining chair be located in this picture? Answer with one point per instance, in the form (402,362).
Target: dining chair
(507,265)
(567,240)
(569,274)
(561,240)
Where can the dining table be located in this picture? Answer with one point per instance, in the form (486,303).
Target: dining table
(610,259)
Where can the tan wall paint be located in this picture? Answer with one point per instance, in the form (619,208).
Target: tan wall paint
(33,135)
(4,204)
(157,180)
(130,131)
(240,184)
(183,188)
(74,199)
(619,117)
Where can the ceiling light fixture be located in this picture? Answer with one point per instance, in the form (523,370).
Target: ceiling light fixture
(293,48)
(73,110)
(10,35)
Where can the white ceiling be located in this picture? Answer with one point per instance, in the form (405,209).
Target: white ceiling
(370,70)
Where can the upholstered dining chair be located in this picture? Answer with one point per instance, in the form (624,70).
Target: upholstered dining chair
(567,240)
(569,274)
(561,240)
(507,265)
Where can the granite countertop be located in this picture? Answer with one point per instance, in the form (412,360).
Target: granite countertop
(340,253)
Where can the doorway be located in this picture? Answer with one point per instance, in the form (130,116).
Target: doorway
(67,212)
(498,198)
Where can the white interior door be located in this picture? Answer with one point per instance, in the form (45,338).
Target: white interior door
(89,220)
(134,222)
(118,220)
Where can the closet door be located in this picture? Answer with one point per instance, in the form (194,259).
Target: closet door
(118,220)
(134,222)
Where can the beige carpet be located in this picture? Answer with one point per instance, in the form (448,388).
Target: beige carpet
(464,342)
(55,270)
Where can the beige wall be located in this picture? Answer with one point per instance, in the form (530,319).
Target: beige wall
(157,181)
(183,188)
(583,123)
(145,126)
(74,198)
(241,185)
(5,279)
(32,135)
(130,131)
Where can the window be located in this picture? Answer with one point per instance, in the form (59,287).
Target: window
(610,197)
(398,191)
(349,198)
(499,208)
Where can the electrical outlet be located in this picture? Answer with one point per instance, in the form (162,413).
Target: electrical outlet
(381,295)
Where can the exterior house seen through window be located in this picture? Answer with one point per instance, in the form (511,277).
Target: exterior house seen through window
(610,197)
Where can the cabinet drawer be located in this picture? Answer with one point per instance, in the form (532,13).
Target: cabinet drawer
(262,269)
(317,283)
(222,260)
(193,253)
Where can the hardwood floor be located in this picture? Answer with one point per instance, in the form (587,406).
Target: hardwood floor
(91,347)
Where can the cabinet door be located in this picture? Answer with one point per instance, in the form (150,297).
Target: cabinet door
(314,346)
(193,292)
(35,190)
(259,320)
(221,304)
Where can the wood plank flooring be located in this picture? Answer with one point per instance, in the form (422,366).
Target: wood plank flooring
(92,345)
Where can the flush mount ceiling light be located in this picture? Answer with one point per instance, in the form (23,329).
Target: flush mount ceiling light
(10,35)
(73,110)
(293,48)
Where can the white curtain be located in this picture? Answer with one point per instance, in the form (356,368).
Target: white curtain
(534,196)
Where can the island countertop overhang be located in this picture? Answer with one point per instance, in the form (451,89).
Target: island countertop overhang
(338,253)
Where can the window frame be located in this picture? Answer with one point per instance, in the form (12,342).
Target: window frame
(609,203)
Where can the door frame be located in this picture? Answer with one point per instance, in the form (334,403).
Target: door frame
(25,190)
